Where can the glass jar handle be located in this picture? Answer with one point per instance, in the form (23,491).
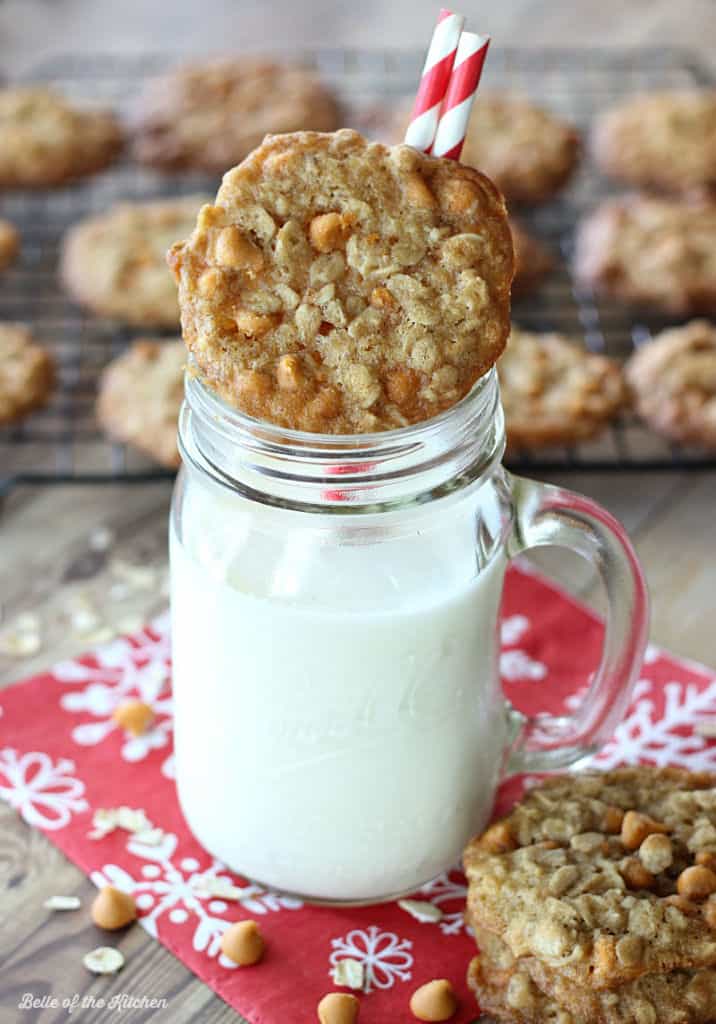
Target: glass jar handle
(547,515)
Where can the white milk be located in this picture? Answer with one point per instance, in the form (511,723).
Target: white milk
(339,729)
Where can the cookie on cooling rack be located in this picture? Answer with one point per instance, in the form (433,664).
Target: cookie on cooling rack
(9,243)
(554,391)
(27,373)
(115,263)
(46,140)
(341,286)
(140,396)
(529,152)
(660,140)
(673,378)
(533,260)
(654,252)
(603,878)
(210,116)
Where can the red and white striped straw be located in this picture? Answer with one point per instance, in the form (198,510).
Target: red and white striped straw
(434,81)
(455,112)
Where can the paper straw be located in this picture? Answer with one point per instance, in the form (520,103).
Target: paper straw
(434,81)
(455,112)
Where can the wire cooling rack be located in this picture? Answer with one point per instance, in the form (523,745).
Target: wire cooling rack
(64,443)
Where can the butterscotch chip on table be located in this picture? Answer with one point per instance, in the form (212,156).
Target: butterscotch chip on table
(660,140)
(659,253)
(339,286)
(529,152)
(525,992)
(115,263)
(673,378)
(209,116)
(434,1001)
(27,373)
(555,882)
(140,395)
(46,140)
(554,391)
(113,909)
(533,260)
(338,1008)
(9,243)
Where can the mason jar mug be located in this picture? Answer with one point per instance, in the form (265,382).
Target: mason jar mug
(340,726)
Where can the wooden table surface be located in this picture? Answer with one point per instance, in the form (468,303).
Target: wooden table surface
(48,537)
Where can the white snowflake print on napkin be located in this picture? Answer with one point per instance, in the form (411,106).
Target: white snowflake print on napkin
(45,793)
(444,890)
(385,957)
(124,670)
(174,889)
(516,664)
(663,736)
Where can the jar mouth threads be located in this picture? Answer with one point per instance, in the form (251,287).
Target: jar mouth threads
(345,472)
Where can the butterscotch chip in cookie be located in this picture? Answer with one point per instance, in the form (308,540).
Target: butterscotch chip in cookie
(526,992)
(140,396)
(9,243)
(27,373)
(673,378)
(115,263)
(46,140)
(340,286)
(660,140)
(570,903)
(655,252)
(554,391)
(533,260)
(210,116)
(529,152)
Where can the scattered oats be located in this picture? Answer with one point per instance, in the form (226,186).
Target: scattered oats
(18,643)
(100,636)
(422,911)
(140,577)
(222,888)
(27,622)
(107,819)
(103,960)
(62,903)
(707,728)
(349,972)
(129,623)
(101,539)
(85,620)
(148,837)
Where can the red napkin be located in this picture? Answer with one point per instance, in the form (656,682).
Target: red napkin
(62,757)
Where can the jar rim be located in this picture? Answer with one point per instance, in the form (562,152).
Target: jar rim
(342,472)
(207,402)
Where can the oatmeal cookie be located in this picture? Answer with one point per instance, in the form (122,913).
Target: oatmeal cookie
(660,140)
(673,379)
(140,395)
(210,116)
(115,263)
(528,152)
(9,243)
(515,996)
(340,286)
(46,140)
(533,260)
(658,252)
(603,877)
(27,373)
(554,391)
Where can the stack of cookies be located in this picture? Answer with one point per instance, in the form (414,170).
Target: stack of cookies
(594,902)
